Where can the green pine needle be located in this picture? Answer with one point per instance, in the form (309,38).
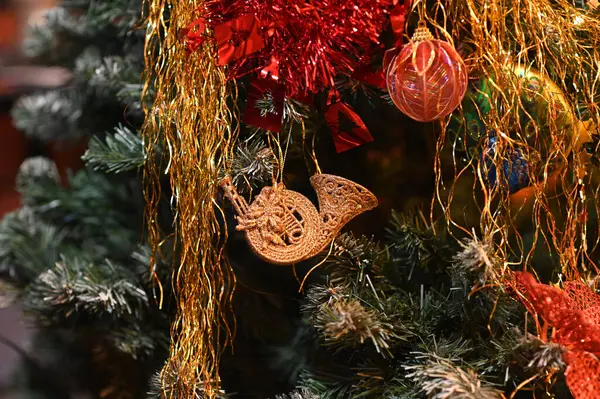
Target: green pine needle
(75,287)
(119,152)
(440,378)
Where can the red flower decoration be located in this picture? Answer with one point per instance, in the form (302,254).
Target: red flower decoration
(574,312)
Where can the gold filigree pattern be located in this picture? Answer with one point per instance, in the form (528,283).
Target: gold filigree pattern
(283,227)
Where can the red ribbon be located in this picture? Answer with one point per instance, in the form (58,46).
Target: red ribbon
(271,71)
(254,116)
(238,38)
(347,128)
(398,20)
(194,35)
(365,74)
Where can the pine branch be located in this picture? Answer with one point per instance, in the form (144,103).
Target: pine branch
(163,388)
(56,38)
(74,287)
(36,171)
(53,115)
(440,378)
(138,339)
(106,76)
(477,257)
(417,255)
(344,321)
(352,259)
(302,393)
(349,320)
(119,152)
(252,166)
(521,356)
(120,15)
(28,246)
(98,216)
(327,385)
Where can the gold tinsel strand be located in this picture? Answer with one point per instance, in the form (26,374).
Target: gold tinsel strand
(189,121)
(499,38)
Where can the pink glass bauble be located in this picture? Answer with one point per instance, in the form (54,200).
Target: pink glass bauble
(427,79)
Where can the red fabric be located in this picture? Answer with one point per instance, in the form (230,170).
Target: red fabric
(238,38)
(252,114)
(347,128)
(573,313)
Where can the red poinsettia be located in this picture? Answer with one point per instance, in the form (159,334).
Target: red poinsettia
(574,314)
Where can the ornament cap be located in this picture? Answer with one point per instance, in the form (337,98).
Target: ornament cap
(422,33)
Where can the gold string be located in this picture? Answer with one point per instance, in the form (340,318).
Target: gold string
(562,42)
(190,122)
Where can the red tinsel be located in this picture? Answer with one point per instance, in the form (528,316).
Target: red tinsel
(574,313)
(311,42)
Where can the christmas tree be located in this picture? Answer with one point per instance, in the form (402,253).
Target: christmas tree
(192,258)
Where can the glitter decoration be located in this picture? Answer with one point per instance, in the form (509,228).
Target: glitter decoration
(514,166)
(573,313)
(283,227)
(428,79)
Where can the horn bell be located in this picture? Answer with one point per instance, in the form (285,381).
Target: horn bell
(340,200)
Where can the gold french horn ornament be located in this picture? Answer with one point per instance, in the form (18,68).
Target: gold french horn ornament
(283,227)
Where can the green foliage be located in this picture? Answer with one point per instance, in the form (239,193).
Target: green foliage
(253,165)
(119,152)
(28,246)
(118,15)
(161,388)
(440,378)
(106,76)
(57,37)
(75,287)
(401,321)
(300,394)
(95,39)
(53,115)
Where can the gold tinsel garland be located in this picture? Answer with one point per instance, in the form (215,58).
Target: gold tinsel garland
(189,121)
(557,45)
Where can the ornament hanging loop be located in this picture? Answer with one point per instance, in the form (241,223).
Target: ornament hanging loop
(423,37)
(422,32)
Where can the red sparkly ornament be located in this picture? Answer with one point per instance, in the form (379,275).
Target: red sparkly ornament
(574,313)
(427,79)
